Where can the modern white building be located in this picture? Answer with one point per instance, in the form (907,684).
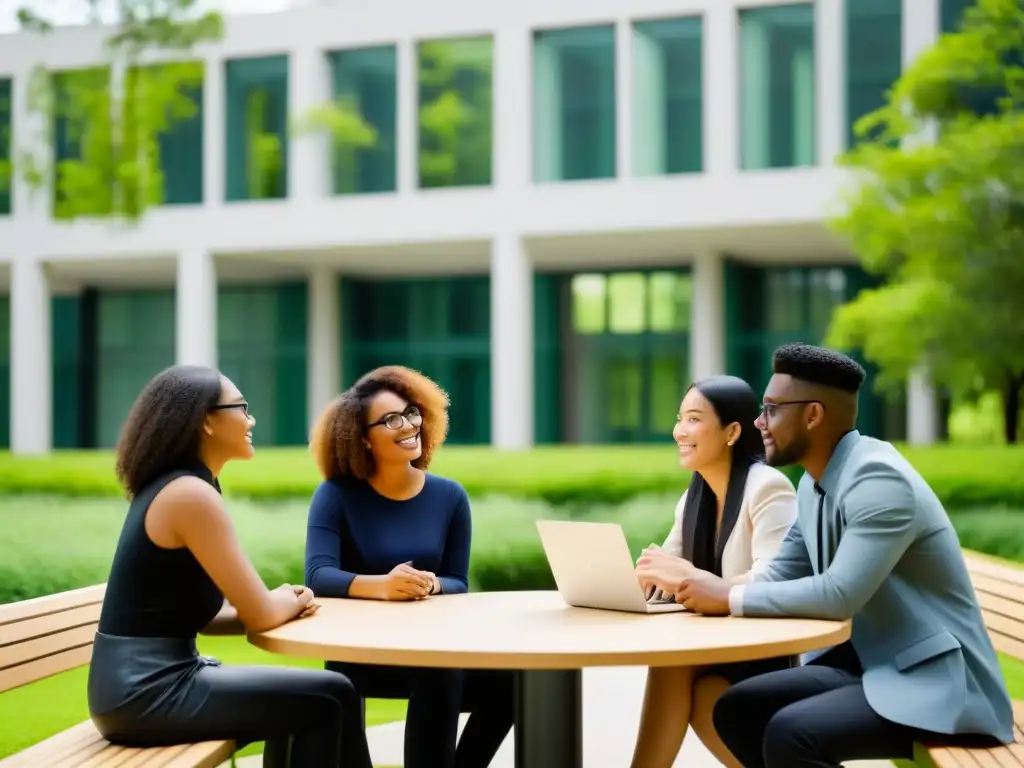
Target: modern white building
(564,212)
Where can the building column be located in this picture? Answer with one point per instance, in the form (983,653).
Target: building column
(707,316)
(195,306)
(920,30)
(407,121)
(720,67)
(511,344)
(31,358)
(309,160)
(512,96)
(830,88)
(624,99)
(215,168)
(922,409)
(323,342)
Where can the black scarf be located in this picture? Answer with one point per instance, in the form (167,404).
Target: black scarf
(700,546)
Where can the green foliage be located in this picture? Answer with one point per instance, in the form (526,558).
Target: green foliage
(349,132)
(455,114)
(575,476)
(104,133)
(941,220)
(51,545)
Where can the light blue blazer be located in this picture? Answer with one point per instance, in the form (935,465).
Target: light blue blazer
(889,559)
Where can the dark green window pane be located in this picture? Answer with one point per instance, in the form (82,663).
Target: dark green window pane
(668,131)
(440,327)
(366,90)
(574,131)
(874,56)
(6,118)
(777,99)
(67,366)
(181,146)
(136,341)
(256,138)
(455,112)
(261,347)
(951,13)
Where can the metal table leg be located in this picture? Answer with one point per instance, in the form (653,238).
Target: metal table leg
(549,718)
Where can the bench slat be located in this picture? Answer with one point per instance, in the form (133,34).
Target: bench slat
(27,630)
(41,606)
(1011,593)
(54,748)
(23,653)
(982,567)
(44,667)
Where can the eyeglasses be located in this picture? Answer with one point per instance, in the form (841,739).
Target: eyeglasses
(396,420)
(768,409)
(244,407)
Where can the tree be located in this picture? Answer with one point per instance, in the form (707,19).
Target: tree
(104,140)
(943,220)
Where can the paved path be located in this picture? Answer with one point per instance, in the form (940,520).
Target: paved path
(612,699)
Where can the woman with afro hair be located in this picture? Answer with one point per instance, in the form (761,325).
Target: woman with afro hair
(383,528)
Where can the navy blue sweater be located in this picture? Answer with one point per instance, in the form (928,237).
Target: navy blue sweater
(354,531)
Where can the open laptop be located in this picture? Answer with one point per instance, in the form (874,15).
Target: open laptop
(593,568)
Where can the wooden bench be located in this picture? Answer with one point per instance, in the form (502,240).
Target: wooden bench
(52,634)
(1000,593)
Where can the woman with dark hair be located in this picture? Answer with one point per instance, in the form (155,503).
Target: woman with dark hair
(178,570)
(383,528)
(730,522)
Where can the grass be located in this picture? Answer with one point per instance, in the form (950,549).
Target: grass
(35,712)
(284,472)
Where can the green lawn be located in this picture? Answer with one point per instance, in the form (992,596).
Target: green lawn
(35,712)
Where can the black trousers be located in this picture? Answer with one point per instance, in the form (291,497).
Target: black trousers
(153,692)
(308,718)
(814,716)
(436,697)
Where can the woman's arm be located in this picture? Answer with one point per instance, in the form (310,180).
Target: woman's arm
(189,512)
(325,573)
(226,622)
(454,569)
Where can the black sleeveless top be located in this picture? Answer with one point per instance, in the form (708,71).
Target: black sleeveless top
(152,591)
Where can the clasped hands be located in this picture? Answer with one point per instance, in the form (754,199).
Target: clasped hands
(699,591)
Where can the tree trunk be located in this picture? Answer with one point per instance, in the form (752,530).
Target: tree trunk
(1011,407)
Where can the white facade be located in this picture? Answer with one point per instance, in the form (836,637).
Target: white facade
(509,229)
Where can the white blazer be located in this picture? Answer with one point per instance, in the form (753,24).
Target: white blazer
(766,513)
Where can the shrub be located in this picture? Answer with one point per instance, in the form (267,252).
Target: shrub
(576,476)
(51,545)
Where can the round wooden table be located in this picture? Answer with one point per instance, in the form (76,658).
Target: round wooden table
(545,641)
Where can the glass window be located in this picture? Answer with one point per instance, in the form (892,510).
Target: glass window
(670,295)
(874,56)
(136,341)
(455,112)
(784,300)
(82,129)
(179,140)
(589,303)
(826,291)
(951,13)
(668,135)
(366,95)
(574,104)
(627,302)
(777,103)
(6,116)
(256,136)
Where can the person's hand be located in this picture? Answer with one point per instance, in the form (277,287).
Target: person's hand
(663,571)
(405,583)
(704,593)
(303,599)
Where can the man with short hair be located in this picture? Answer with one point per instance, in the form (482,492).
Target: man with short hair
(871,543)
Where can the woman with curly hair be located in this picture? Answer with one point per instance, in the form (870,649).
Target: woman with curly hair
(383,528)
(178,570)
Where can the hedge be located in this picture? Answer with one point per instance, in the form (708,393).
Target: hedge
(579,475)
(52,544)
